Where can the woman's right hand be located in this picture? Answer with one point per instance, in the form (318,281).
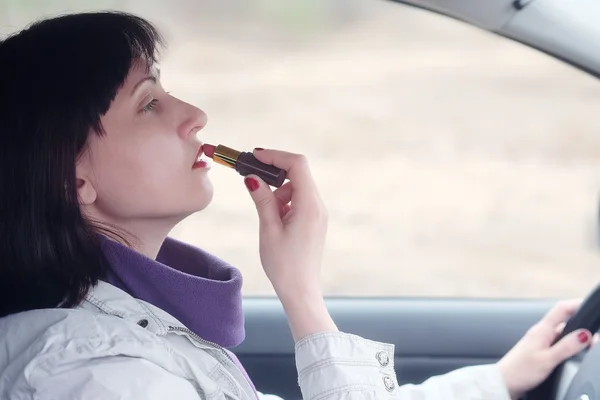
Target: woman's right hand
(293,226)
(536,355)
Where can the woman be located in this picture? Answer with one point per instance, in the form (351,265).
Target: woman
(98,164)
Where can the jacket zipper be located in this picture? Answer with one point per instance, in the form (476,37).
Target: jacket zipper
(204,341)
(199,339)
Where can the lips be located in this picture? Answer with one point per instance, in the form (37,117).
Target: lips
(200,162)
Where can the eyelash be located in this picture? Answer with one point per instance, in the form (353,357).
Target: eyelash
(150,106)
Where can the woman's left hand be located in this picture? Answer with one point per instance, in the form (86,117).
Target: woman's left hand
(534,357)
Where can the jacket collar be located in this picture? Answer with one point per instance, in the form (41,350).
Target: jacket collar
(199,289)
(111,300)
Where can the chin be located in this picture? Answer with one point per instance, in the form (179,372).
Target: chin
(192,201)
(197,206)
(204,198)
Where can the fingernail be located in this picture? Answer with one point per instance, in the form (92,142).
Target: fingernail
(258,148)
(583,337)
(251,183)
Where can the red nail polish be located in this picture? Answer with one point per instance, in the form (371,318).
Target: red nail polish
(251,183)
(583,337)
(258,148)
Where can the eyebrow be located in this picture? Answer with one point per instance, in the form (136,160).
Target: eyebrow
(151,78)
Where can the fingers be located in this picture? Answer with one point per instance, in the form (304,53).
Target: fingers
(569,346)
(284,193)
(284,209)
(560,313)
(284,196)
(559,328)
(298,172)
(267,204)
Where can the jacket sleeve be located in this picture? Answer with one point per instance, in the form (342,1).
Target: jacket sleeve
(341,366)
(108,378)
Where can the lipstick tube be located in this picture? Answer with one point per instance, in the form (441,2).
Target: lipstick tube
(245,164)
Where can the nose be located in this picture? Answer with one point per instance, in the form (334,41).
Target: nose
(195,119)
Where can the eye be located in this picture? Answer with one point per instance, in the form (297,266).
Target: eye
(150,106)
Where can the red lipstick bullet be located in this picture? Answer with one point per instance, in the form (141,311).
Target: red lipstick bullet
(245,164)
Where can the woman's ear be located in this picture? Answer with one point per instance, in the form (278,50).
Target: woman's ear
(85,191)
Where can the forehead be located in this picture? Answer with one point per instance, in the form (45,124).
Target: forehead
(140,70)
(138,75)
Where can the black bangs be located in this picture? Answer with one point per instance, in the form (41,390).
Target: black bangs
(58,77)
(80,60)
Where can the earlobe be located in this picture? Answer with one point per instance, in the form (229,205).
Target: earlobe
(85,192)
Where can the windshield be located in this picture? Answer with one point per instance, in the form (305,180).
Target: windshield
(453,162)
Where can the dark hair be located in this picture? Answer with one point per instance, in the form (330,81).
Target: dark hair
(57,78)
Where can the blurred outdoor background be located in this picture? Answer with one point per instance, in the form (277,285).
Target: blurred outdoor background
(453,162)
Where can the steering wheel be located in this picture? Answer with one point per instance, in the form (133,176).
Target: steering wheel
(585,385)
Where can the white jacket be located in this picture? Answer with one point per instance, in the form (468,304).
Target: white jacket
(117,347)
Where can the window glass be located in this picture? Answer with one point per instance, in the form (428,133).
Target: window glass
(453,162)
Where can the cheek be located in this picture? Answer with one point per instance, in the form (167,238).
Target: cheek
(146,171)
(133,175)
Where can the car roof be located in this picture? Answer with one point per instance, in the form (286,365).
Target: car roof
(567,30)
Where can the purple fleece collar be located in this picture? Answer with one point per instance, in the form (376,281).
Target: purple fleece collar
(200,290)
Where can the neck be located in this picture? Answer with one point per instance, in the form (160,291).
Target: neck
(144,236)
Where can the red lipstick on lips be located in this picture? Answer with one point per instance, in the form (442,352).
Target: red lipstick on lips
(245,164)
(199,163)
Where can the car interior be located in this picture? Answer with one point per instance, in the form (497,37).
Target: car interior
(435,335)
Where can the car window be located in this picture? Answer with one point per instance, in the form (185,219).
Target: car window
(453,162)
